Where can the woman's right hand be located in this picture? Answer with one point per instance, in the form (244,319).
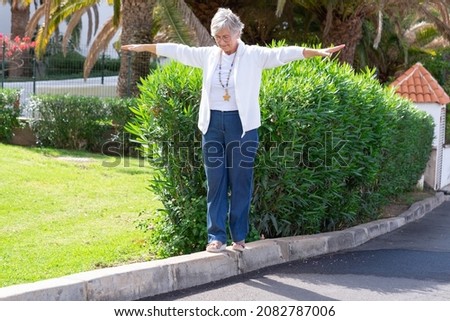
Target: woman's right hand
(139,47)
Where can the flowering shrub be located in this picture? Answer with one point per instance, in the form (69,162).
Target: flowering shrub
(12,49)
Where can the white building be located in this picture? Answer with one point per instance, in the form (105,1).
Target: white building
(418,85)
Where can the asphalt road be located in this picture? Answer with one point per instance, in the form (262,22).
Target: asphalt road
(410,263)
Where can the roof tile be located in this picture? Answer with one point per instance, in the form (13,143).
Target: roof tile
(418,80)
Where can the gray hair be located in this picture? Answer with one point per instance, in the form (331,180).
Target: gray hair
(225,18)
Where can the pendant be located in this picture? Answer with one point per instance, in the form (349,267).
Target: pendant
(226,97)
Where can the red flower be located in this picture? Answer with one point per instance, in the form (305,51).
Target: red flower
(14,47)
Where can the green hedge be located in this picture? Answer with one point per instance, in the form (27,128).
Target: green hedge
(338,145)
(334,146)
(165,127)
(72,64)
(81,123)
(9,113)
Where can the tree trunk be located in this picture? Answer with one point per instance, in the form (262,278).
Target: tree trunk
(137,21)
(348,32)
(19,20)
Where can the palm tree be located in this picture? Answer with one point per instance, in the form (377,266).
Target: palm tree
(422,26)
(54,12)
(136,25)
(135,17)
(338,21)
(437,12)
(386,54)
(20,14)
(261,25)
(342,21)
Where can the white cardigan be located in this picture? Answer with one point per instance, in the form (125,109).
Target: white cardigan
(250,61)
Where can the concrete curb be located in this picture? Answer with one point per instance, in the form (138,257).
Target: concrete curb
(139,280)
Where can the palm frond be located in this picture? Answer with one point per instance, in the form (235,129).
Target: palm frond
(116,15)
(191,20)
(280,7)
(68,8)
(329,19)
(47,10)
(169,15)
(377,40)
(54,13)
(74,20)
(96,18)
(48,28)
(426,35)
(441,26)
(441,7)
(90,29)
(34,21)
(40,44)
(93,22)
(102,40)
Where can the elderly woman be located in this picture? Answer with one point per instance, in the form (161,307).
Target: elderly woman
(229,117)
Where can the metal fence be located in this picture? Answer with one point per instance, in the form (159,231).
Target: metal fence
(59,74)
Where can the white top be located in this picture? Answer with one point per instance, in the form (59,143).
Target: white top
(216,97)
(249,63)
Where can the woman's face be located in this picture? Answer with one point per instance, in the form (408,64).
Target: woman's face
(227,41)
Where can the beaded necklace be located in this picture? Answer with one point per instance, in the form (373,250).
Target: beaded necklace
(226,97)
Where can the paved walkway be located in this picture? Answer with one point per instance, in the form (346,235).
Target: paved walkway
(410,263)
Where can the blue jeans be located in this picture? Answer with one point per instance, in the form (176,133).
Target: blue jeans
(229,160)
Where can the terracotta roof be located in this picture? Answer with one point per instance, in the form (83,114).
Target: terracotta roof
(418,85)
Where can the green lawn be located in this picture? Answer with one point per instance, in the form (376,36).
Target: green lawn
(66,212)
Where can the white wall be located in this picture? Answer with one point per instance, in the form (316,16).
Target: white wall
(435,175)
(435,111)
(445,177)
(430,170)
(5,19)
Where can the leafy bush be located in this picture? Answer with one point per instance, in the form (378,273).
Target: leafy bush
(9,113)
(77,122)
(71,64)
(119,114)
(333,148)
(334,145)
(107,64)
(166,127)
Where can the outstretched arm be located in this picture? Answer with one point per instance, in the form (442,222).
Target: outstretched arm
(191,56)
(325,52)
(149,47)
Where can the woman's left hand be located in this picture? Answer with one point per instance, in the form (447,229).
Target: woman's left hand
(329,51)
(325,52)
